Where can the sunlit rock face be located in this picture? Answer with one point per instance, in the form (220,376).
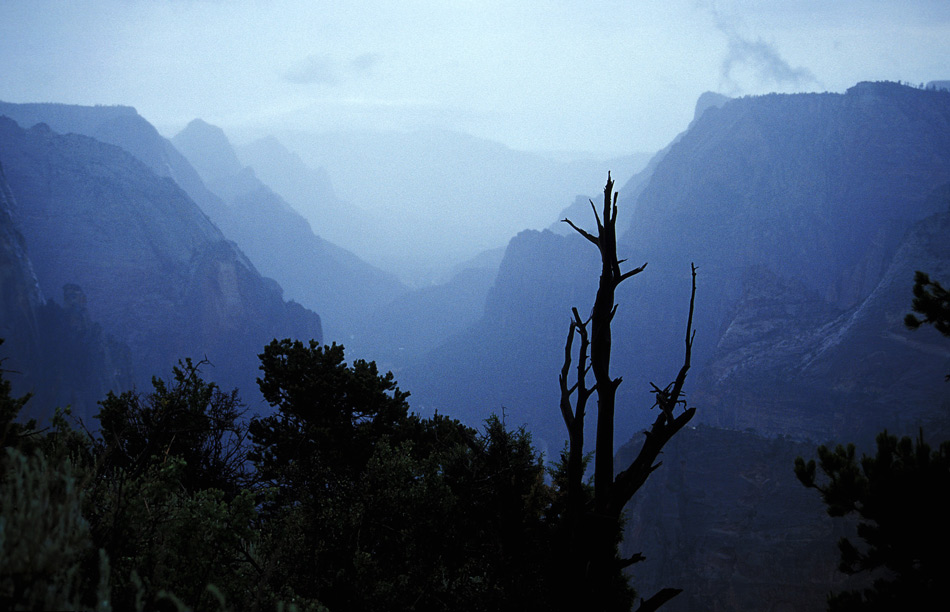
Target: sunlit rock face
(156,272)
(794,208)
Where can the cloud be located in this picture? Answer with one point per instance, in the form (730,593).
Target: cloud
(765,62)
(364,63)
(325,69)
(758,57)
(312,70)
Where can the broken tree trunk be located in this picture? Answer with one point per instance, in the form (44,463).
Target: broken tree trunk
(593,528)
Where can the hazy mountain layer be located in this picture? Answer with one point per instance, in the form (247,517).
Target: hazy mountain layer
(399,332)
(309,190)
(124,127)
(633,187)
(280,243)
(320,275)
(432,199)
(501,361)
(154,271)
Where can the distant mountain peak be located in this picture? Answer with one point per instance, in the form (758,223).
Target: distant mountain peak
(209,146)
(709,99)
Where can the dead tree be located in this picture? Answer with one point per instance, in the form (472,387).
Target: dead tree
(593,578)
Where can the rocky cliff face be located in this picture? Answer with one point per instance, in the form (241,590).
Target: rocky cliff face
(279,242)
(632,188)
(156,273)
(807,216)
(806,185)
(21,298)
(792,363)
(53,351)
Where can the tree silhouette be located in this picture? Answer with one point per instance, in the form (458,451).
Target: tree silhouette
(593,570)
(369,506)
(899,496)
(932,301)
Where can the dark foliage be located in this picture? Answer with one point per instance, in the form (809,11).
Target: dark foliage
(12,431)
(329,416)
(899,496)
(166,499)
(370,504)
(341,499)
(932,301)
(187,418)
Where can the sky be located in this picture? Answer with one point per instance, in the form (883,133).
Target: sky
(603,76)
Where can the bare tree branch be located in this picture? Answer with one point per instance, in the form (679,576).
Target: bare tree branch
(654,603)
(633,272)
(583,233)
(664,427)
(635,558)
(600,226)
(566,408)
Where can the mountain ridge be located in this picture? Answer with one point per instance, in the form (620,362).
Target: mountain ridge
(812,188)
(148,265)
